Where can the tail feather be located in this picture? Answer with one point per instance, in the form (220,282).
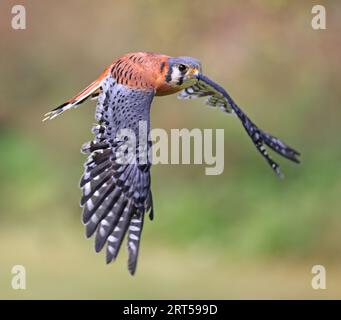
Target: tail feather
(92,91)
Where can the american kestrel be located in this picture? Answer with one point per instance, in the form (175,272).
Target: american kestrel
(116,195)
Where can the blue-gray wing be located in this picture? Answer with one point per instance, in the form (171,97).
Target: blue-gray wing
(213,98)
(217,96)
(116,181)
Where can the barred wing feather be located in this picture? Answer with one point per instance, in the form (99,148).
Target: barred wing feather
(218,96)
(116,195)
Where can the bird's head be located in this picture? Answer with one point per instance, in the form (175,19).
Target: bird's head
(182,71)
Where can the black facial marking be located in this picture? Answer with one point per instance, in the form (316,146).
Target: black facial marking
(162,67)
(169,75)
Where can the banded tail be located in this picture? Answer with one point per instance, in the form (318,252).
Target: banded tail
(91,91)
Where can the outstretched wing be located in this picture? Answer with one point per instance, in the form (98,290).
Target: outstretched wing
(213,98)
(217,96)
(116,180)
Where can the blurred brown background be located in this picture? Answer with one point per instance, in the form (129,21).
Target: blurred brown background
(243,234)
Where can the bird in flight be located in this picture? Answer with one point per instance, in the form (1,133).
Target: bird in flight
(117,195)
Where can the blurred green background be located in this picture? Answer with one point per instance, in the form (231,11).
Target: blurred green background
(242,234)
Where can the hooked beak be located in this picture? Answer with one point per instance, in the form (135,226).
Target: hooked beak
(195,72)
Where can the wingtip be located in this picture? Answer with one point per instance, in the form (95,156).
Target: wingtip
(132,272)
(109,258)
(280,174)
(132,267)
(296,158)
(99,243)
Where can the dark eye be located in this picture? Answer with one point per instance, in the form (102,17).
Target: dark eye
(182,68)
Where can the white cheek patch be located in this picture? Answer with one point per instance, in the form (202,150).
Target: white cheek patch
(176,75)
